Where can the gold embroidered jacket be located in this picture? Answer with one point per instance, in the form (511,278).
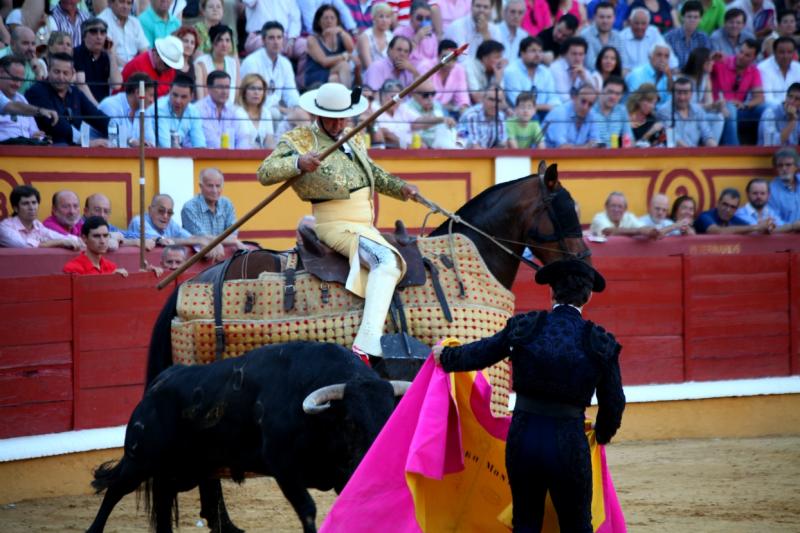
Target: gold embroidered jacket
(338,174)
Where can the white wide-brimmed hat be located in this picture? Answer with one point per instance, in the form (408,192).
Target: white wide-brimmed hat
(333,100)
(170,50)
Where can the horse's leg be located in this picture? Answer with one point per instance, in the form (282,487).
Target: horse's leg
(301,501)
(212,508)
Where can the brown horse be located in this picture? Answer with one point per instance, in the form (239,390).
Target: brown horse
(534,212)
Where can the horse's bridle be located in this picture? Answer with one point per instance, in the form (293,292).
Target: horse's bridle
(559,236)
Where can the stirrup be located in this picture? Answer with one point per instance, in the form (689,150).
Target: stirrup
(361,354)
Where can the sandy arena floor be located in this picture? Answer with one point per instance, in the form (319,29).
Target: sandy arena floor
(709,486)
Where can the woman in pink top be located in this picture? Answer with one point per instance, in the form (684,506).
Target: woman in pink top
(451,82)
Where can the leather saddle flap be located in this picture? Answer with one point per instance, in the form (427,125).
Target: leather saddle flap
(328,265)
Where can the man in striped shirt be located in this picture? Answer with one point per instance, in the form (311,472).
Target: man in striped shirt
(483,125)
(614,116)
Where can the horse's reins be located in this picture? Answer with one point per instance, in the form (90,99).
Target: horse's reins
(434,208)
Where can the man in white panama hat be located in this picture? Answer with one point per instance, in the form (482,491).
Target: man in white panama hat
(341,190)
(160,63)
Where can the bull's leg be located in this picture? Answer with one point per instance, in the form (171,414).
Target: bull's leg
(163,498)
(302,503)
(117,481)
(212,508)
(112,497)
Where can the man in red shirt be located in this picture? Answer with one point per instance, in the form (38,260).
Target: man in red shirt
(160,63)
(94,234)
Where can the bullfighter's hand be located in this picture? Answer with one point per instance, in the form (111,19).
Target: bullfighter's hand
(309,162)
(437,353)
(409,191)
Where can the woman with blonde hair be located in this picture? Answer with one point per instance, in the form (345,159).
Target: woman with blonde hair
(220,58)
(641,104)
(373,43)
(254,110)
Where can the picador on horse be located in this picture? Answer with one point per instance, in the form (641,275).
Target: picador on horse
(341,190)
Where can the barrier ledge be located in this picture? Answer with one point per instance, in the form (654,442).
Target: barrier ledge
(25,262)
(548,154)
(35,446)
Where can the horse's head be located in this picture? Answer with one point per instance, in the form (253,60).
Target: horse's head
(554,230)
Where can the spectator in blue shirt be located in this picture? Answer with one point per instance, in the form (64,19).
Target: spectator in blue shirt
(209,213)
(756,209)
(98,205)
(723,220)
(527,73)
(779,125)
(614,116)
(159,226)
(574,124)
(176,115)
(656,71)
(784,190)
(123,109)
(686,38)
(620,11)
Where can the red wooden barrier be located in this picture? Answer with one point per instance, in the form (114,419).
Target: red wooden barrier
(113,321)
(642,305)
(794,311)
(737,316)
(35,355)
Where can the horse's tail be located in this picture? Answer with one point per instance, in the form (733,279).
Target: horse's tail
(160,354)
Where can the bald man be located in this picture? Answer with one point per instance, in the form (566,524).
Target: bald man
(159,226)
(99,205)
(66,214)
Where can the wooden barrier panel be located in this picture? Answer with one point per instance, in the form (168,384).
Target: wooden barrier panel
(794,312)
(114,317)
(642,306)
(737,316)
(35,355)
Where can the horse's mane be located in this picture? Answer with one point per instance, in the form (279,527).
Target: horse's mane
(476,208)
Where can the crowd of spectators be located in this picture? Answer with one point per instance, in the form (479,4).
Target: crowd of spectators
(88,230)
(768,206)
(221,74)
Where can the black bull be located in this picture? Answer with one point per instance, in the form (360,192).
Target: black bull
(268,412)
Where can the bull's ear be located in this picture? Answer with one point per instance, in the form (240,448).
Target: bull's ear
(551,178)
(542,168)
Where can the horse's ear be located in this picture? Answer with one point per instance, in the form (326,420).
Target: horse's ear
(551,177)
(542,168)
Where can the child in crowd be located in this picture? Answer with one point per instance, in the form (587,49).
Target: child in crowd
(523,131)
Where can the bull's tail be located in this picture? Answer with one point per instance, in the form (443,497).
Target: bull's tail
(160,354)
(106,475)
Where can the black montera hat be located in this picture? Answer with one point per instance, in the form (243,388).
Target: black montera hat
(570,267)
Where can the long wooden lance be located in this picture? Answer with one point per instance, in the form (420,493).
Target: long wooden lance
(288,183)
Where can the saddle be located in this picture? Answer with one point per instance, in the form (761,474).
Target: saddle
(330,266)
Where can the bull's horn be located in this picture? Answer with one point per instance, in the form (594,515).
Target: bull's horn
(320,399)
(400,387)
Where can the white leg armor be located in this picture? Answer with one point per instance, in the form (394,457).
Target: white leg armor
(384,273)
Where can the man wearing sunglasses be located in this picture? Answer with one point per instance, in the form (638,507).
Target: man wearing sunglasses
(96,62)
(723,220)
(420,32)
(436,127)
(159,226)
